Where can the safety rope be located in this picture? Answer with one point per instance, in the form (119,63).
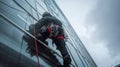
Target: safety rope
(36,47)
(35,42)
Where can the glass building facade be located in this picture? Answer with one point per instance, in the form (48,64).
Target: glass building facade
(15,18)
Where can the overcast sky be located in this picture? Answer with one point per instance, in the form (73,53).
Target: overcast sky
(99,27)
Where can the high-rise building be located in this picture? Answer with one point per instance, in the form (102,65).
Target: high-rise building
(15,18)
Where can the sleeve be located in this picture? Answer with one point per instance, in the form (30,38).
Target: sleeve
(39,24)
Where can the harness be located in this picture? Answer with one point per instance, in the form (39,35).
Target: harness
(52,29)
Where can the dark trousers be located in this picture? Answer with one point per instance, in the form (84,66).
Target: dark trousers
(60,43)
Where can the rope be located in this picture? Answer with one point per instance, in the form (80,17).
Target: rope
(35,42)
(36,47)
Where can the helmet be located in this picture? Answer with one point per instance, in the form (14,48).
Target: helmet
(46,14)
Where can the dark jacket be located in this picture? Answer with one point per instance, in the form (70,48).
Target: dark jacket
(47,20)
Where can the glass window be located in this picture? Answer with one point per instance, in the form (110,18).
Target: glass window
(11,13)
(27,7)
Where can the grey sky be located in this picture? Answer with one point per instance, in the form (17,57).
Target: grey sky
(99,23)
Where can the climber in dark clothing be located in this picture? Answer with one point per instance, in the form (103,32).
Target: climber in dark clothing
(51,27)
(48,27)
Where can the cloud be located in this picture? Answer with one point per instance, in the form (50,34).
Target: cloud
(97,48)
(106,16)
(87,31)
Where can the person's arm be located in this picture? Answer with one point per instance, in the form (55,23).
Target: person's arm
(39,24)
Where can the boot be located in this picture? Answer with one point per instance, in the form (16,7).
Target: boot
(67,61)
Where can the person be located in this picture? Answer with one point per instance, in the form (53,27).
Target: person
(50,27)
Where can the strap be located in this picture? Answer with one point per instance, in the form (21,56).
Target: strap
(60,37)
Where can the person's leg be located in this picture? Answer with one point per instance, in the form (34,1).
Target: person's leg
(60,43)
(46,51)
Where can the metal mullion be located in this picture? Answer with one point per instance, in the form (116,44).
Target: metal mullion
(36,9)
(41,6)
(32,7)
(75,48)
(13,8)
(25,10)
(72,56)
